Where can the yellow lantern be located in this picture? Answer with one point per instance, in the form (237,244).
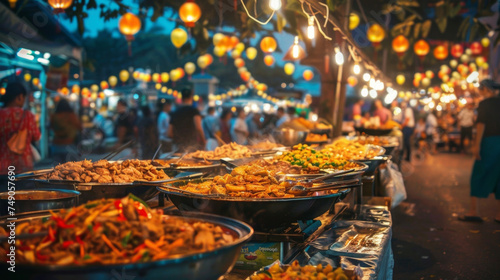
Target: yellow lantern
(235,54)
(251,53)
(240,47)
(112,80)
(2,91)
(400,79)
(485,42)
(453,63)
(485,66)
(219,51)
(75,89)
(190,68)
(27,77)
(190,13)
(217,39)
(93,95)
(129,25)
(308,75)
(104,85)
(164,77)
(196,98)
(353,21)
(426,82)
(85,92)
(239,62)
(429,74)
(289,68)
(202,62)
(178,37)
(59,5)
(35,81)
(375,34)
(157,86)
(94,88)
(65,91)
(156,77)
(124,75)
(164,89)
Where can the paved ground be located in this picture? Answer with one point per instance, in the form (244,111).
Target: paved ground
(428,241)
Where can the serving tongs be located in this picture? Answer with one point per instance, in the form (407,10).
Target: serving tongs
(118,150)
(168,187)
(300,189)
(171,180)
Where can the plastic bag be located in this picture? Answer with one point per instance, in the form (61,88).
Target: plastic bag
(392,180)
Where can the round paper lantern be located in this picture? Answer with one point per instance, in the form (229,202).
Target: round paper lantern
(289,68)
(457,50)
(202,62)
(308,75)
(416,83)
(85,92)
(352,81)
(245,76)
(261,87)
(124,75)
(146,77)
(485,42)
(164,76)
(209,58)
(59,5)
(353,21)
(27,77)
(233,41)
(94,88)
(400,44)
(268,44)
(251,53)
(104,85)
(174,75)
(418,76)
(219,51)
(112,80)
(240,47)
(485,66)
(129,25)
(440,52)
(476,48)
(190,68)
(269,60)
(235,54)
(464,58)
(178,37)
(239,62)
(217,38)
(65,91)
(480,60)
(446,78)
(242,69)
(468,52)
(453,63)
(400,79)
(190,13)
(375,34)
(75,89)
(429,74)
(35,81)
(426,82)
(421,48)
(156,77)
(180,72)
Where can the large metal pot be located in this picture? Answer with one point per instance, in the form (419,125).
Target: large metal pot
(290,137)
(208,265)
(37,200)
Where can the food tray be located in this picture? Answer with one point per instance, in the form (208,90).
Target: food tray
(351,274)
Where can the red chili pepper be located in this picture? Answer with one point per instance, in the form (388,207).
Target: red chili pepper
(52,234)
(138,248)
(78,239)
(141,210)
(60,223)
(96,226)
(66,244)
(119,207)
(40,256)
(71,215)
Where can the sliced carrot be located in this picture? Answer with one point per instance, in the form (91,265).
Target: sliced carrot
(110,245)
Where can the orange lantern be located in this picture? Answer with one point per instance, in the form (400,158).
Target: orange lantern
(269,60)
(400,45)
(308,75)
(421,48)
(457,50)
(190,13)
(476,48)
(245,76)
(209,58)
(239,62)
(268,44)
(104,85)
(352,81)
(232,42)
(375,34)
(60,5)
(129,25)
(440,52)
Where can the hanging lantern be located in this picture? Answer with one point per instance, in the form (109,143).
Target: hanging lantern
(485,66)
(269,60)
(242,69)
(480,61)
(217,38)
(59,5)
(190,13)
(352,81)
(453,63)
(75,89)
(418,76)
(35,81)
(202,62)
(174,75)
(112,80)
(440,52)
(476,48)
(400,45)
(464,58)
(239,62)
(129,25)
(155,77)
(457,50)
(400,79)
(102,95)
(85,92)
(245,76)
(27,77)
(289,68)
(268,44)
(445,78)
(219,51)
(124,75)
(180,72)
(232,42)
(146,77)
(308,75)
(94,88)
(295,52)
(240,47)
(178,37)
(164,76)
(251,53)
(421,48)
(353,21)
(485,42)
(65,91)
(235,54)
(190,68)
(429,74)
(426,82)
(12,4)
(375,34)
(416,83)
(104,85)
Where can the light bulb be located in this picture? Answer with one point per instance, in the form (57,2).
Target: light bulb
(275,4)
(356,69)
(373,93)
(295,48)
(339,57)
(366,77)
(364,92)
(310,28)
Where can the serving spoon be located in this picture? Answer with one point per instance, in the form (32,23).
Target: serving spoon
(303,190)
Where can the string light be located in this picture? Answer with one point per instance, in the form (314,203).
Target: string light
(373,93)
(364,92)
(295,48)
(339,57)
(356,69)
(310,28)
(366,77)
(275,4)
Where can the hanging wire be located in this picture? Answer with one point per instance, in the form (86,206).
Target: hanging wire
(255,19)
(313,15)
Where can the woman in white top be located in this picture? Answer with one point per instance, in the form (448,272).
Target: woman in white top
(239,129)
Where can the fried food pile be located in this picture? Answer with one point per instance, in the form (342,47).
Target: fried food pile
(244,181)
(312,137)
(312,161)
(185,162)
(278,167)
(295,271)
(112,232)
(231,150)
(374,140)
(103,171)
(350,150)
(265,145)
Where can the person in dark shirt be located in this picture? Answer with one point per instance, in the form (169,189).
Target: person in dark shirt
(225,127)
(185,125)
(124,124)
(148,133)
(485,178)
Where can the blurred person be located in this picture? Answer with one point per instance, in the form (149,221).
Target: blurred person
(125,123)
(431,130)
(282,117)
(397,112)
(466,123)
(381,112)
(13,118)
(210,124)
(408,125)
(66,126)
(185,125)
(225,127)
(163,123)
(148,133)
(365,118)
(485,177)
(357,108)
(253,123)
(239,129)
(291,112)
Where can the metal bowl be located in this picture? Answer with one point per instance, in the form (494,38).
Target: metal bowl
(209,265)
(260,213)
(39,199)
(290,137)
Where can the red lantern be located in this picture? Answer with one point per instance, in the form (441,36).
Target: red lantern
(440,52)
(190,13)
(421,48)
(269,60)
(268,44)
(400,45)
(457,50)
(476,48)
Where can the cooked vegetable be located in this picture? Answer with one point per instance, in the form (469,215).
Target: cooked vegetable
(297,272)
(312,160)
